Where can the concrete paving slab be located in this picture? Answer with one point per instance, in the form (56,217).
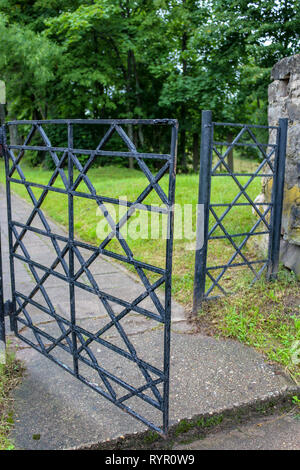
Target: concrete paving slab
(270,433)
(207,375)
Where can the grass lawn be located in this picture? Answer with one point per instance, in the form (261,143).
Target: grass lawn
(263,316)
(121,182)
(10,375)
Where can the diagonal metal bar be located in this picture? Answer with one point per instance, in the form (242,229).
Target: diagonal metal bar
(242,193)
(215,283)
(69,327)
(40,200)
(125,385)
(95,363)
(53,154)
(139,390)
(266,157)
(134,206)
(21,153)
(230,147)
(45,276)
(235,141)
(240,247)
(120,351)
(38,333)
(37,279)
(88,164)
(230,173)
(127,310)
(109,297)
(30,324)
(128,252)
(63,336)
(120,329)
(228,236)
(142,165)
(42,217)
(140,198)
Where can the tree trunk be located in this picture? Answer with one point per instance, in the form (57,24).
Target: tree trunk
(196,152)
(2,114)
(182,150)
(128,91)
(230,154)
(130,135)
(183,106)
(14,137)
(138,98)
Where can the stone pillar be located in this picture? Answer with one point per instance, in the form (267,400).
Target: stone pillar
(284,102)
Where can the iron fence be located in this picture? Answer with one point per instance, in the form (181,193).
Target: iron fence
(73,339)
(214,163)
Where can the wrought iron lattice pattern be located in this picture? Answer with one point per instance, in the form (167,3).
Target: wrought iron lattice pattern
(73,339)
(268,212)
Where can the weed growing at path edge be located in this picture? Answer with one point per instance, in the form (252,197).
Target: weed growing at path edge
(265,316)
(10,375)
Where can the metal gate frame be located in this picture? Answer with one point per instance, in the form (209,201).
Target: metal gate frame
(273,228)
(76,343)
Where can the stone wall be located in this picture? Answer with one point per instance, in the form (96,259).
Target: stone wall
(284,101)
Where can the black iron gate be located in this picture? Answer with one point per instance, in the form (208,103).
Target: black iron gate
(217,162)
(73,339)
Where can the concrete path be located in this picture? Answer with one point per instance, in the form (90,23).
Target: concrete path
(55,411)
(270,433)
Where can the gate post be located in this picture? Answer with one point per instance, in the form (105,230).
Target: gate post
(277,199)
(2,313)
(204,201)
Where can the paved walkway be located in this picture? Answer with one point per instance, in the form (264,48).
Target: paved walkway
(207,375)
(270,433)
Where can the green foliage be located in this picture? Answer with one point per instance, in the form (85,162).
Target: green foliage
(265,317)
(151,437)
(185,425)
(10,374)
(28,62)
(144,58)
(296,401)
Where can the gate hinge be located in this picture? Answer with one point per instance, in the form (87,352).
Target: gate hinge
(8,308)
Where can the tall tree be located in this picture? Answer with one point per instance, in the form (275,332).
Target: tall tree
(145,58)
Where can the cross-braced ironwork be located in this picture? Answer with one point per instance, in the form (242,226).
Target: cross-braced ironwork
(268,213)
(73,338)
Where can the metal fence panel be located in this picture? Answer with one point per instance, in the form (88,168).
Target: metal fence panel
(268,212)
(73,339)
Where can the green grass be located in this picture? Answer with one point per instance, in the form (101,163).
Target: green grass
(186,425)
(296,401)
(121,182)
(265,316)
(256,316)
(10,374)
